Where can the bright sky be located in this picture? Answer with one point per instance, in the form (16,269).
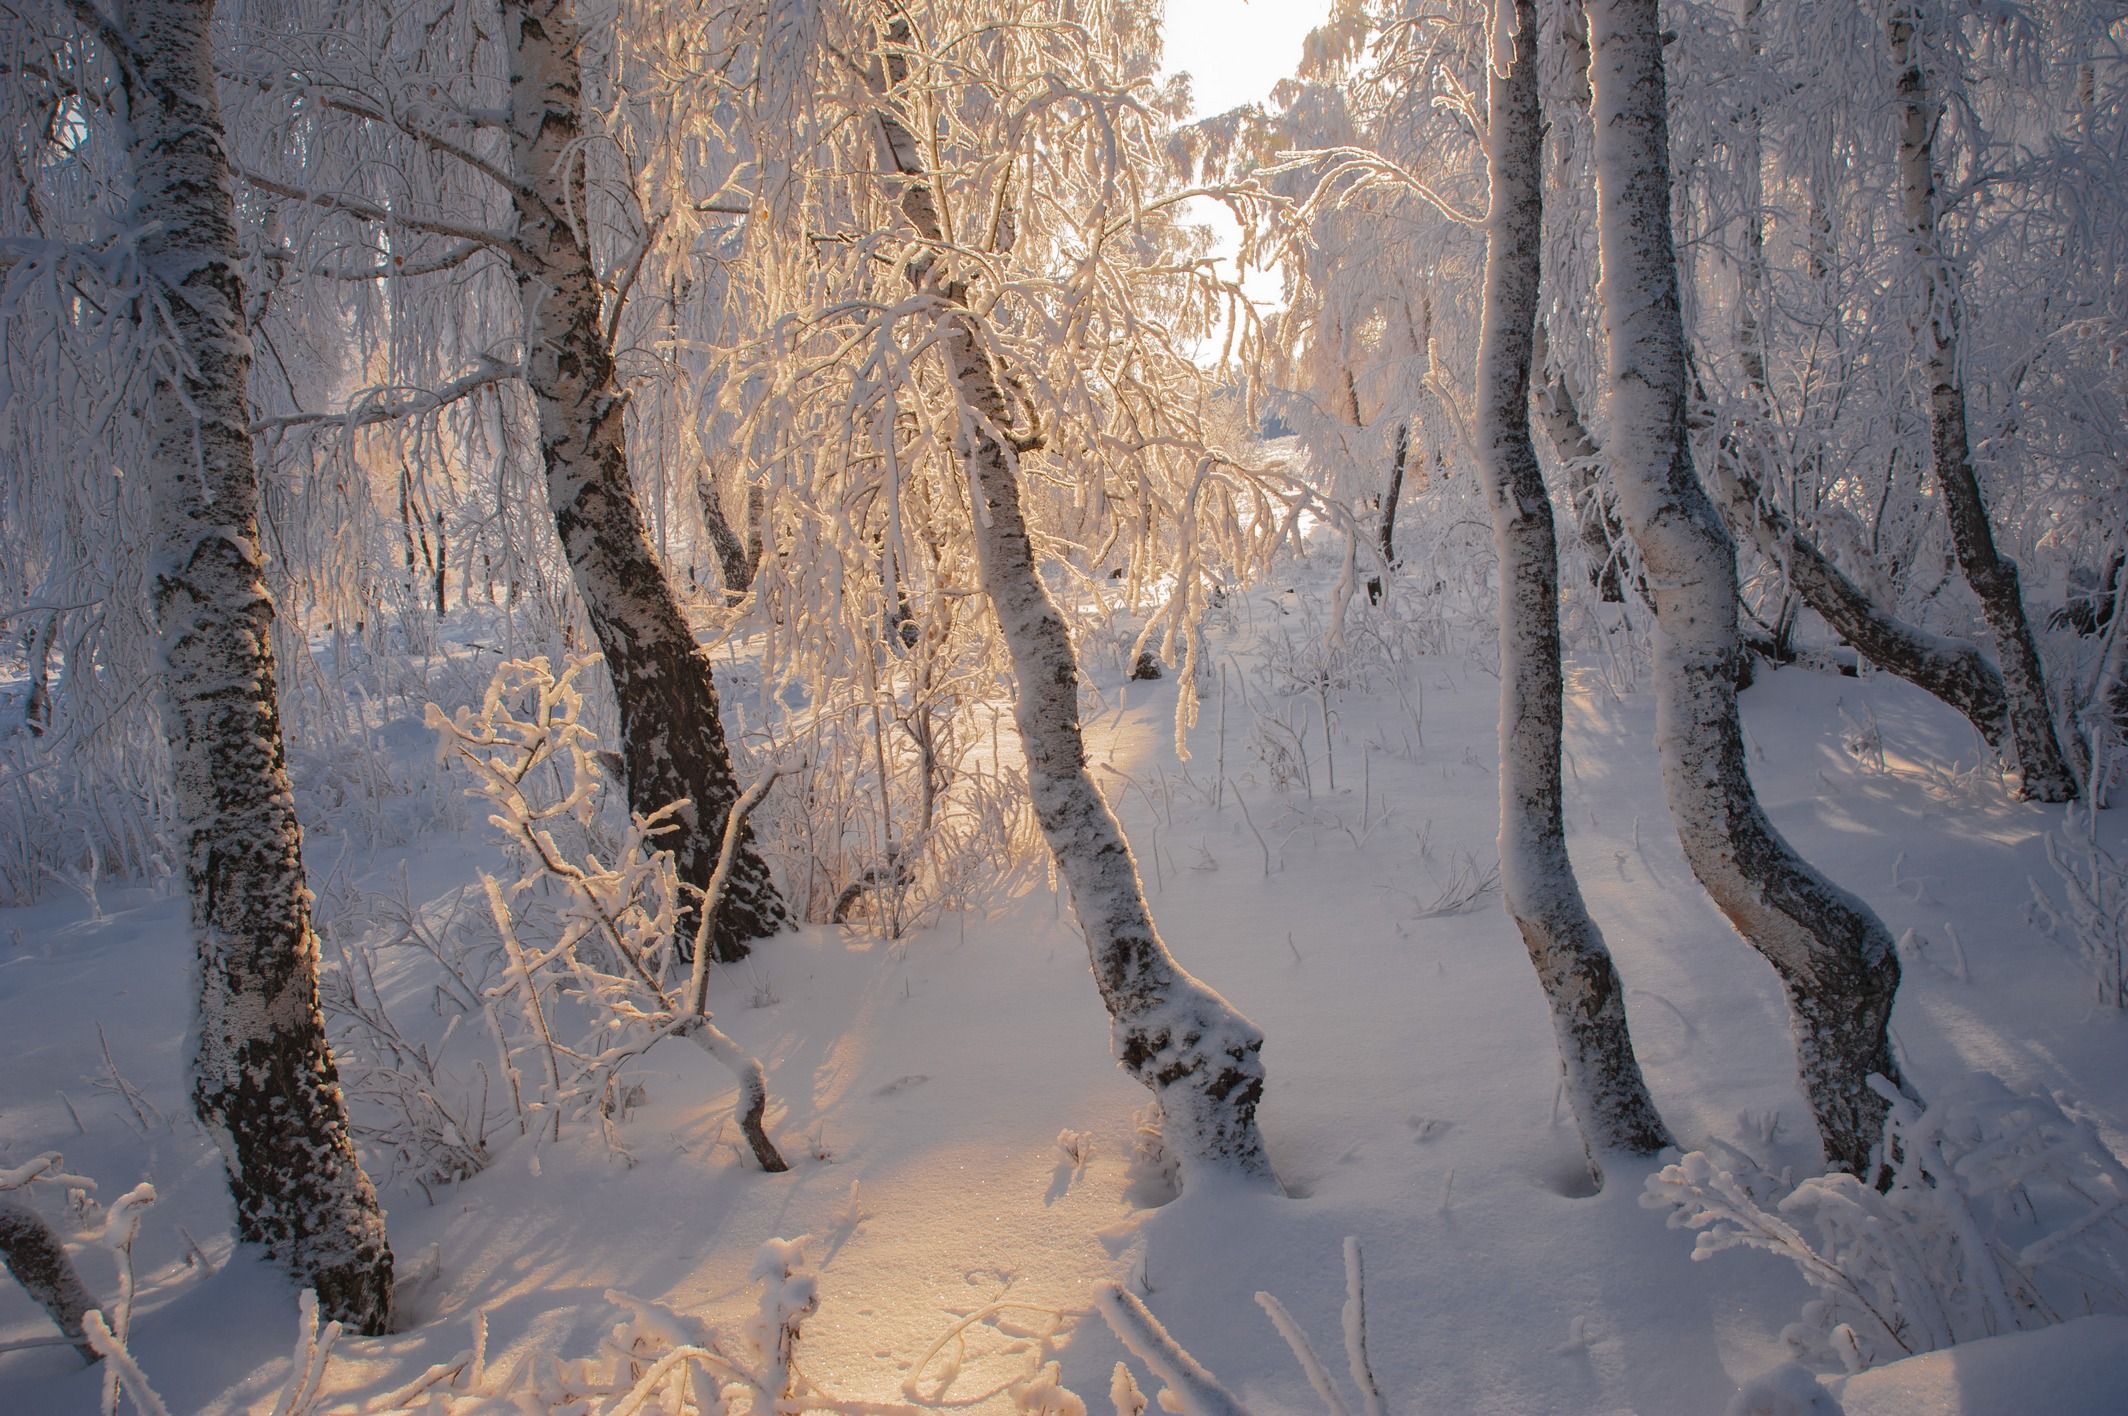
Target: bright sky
(1234,52)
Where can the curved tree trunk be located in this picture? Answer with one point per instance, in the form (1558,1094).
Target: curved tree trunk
(1176,1036)
(1954,671)
(1833,956)
(264,1084)
(1993,576)
(35,1255)
(1611,1100)
(672,737)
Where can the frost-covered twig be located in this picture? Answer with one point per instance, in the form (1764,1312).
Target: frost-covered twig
(627,908)
(2004,1213)
(1303,1353)
(1355,1324)
(2093,913)
(121,1372)
(1196,1392)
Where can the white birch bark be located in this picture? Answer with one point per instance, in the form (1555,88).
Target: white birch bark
(2045,772)
(1833,956)
(673,743)
(1610,1098)
(264,1084)
(1184,1042)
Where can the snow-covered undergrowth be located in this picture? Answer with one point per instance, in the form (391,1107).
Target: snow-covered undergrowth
(2002,1213)
(920,1081)
(2092,916)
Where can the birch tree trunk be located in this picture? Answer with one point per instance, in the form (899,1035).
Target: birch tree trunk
(1393,494)
(737,556)
(35,1254)
(1611,1101)
(2045,772)
(37,705)
(264,1084)
(1180,1039)
(672,737)
(1833,956)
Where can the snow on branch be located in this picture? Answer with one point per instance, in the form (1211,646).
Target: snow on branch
(603,965)
(1369,171)
(2004,1213)
(375,405)
(368,210)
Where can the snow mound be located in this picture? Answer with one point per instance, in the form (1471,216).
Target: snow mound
(2077,1368)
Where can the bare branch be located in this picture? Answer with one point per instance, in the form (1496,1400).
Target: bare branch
(371,408)
(384,216)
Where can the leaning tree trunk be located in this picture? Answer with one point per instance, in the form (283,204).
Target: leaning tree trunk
(1833,956)
(1954,671)
(672,739)
(37,1257)
(2045,773)
(1188,1045)
(264,1084)
(1611,1100)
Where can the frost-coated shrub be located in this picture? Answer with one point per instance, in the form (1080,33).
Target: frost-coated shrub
(2093,913)
(431,1113)
(586,924)
(552,979)
(950,829)
(654,1360)
(2004,1213)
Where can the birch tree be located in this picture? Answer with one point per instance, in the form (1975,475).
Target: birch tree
(2045,772)
(1833,956)
(1610,1099)
(672,736)
(1175,1035)
(264,1083)
(536,192)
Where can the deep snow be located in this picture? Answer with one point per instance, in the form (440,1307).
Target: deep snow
(920,1087)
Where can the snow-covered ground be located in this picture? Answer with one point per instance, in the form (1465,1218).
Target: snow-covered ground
(962,1143)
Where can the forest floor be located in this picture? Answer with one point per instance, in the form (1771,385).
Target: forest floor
(962,1142)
